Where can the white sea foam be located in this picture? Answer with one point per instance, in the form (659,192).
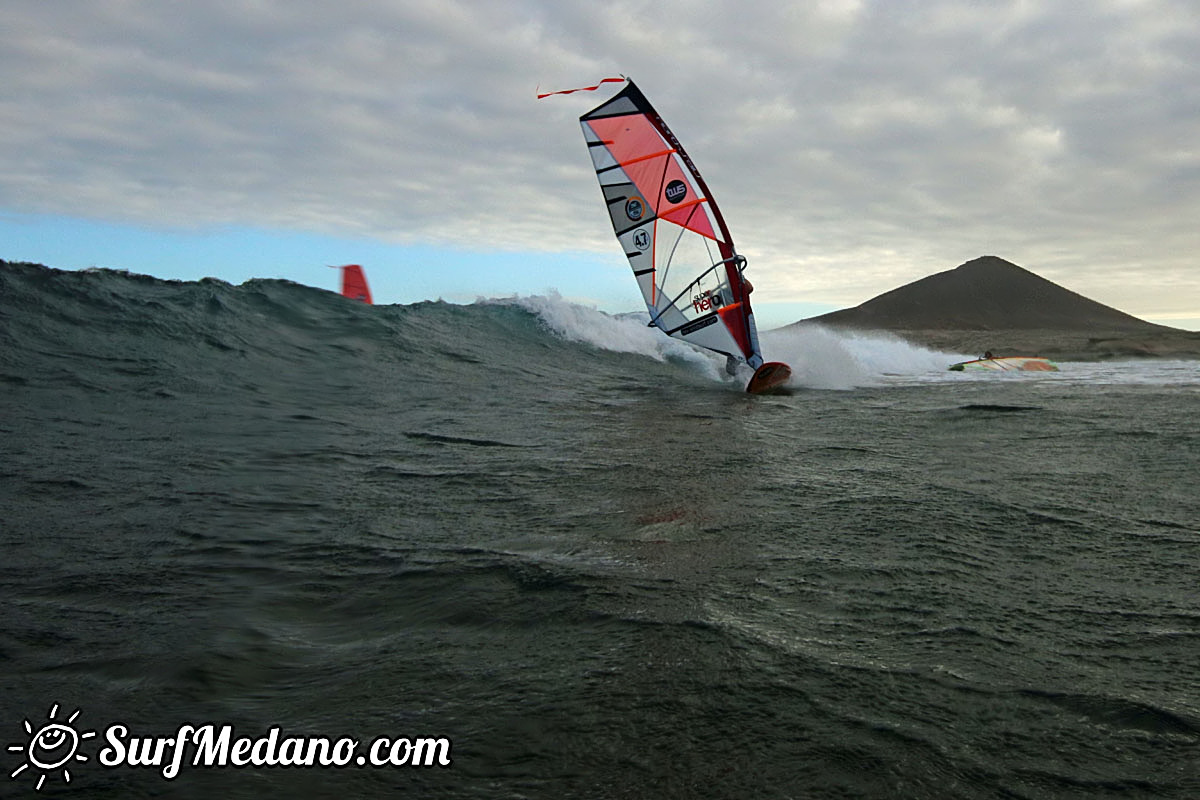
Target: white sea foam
(623,333)
(833,359)
(825,358)
(822,358)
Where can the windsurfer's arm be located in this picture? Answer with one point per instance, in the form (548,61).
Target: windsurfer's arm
(740,263)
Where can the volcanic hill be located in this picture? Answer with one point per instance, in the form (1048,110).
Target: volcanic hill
(992,304)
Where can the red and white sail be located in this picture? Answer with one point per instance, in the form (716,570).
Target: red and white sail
(670,228)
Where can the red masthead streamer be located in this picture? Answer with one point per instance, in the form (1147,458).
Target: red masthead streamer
(583,88)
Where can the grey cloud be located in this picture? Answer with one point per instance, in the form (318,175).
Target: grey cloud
(853,145)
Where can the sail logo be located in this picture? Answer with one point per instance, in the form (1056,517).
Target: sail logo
(699,324)
(675,191)
(707,301)
(50,749)
(635,208)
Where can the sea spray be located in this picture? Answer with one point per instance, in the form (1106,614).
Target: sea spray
(820,357)
(826,358)
(623,333)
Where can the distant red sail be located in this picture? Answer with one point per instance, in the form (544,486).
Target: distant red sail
(354,283)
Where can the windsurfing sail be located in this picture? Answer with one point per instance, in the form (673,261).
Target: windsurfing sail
(670,228)
(354,283)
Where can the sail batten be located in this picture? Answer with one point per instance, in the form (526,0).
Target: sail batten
(670,228)
(647,157)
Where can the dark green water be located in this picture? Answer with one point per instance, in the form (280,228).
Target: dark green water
(571,549)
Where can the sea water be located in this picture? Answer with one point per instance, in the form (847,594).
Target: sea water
(578,554)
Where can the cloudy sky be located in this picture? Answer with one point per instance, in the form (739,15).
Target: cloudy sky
(853,146)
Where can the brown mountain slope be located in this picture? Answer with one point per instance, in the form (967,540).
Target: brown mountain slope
(992,304)
(988,293)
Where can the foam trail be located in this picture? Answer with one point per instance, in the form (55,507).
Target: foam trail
(820,358)
(824,358)
(620,334)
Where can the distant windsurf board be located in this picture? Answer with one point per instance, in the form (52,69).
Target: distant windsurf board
(1007,364)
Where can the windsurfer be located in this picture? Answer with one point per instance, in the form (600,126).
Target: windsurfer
(687,247)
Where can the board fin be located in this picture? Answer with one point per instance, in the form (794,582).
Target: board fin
(770,377)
